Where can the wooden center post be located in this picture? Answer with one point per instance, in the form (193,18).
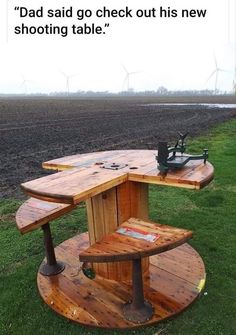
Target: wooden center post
(106,211)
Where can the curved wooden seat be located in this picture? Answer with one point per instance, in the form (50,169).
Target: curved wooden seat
(34,213)
(151,238)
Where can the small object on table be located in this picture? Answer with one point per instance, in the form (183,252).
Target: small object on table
(88,270)
(167,158)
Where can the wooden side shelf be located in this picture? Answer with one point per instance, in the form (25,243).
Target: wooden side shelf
(119,247)
(133,240)
(173,281)
(35,213)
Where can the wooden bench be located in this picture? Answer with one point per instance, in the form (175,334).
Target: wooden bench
(133,240)
(36,213)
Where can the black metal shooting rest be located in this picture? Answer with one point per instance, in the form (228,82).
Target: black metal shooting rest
(167,161)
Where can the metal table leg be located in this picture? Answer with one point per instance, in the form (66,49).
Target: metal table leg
(51,266)
(138,310)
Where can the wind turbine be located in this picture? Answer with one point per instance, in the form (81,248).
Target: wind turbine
(234,82)
(234,86)
(216,73)
(127,77)
(24,84)
(229,20)
(68,77)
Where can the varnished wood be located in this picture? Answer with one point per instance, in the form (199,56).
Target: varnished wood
(89,159)
(116,247)
(106,211)
(102,219)
(132,201)
(139,200)
(172,279)
(170,287)
(34,213)
(84,176)
(195,175)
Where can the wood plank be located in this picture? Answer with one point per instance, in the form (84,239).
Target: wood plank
(62,304)
(90,220)
(194,176)
(102,217)
(76,243)
(88,179)
(132,200)
(79,293)
(92,158)
(75,185)
(139,200)
(114,206)
(109,201)
(81,159)
(123,202)
(188,268)
(117,247)
(98,227)
(110,225)
(98,217)
(35,213)
(99,302)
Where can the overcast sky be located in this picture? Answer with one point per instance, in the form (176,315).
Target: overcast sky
(178,53)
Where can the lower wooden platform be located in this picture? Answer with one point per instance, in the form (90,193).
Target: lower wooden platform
(173,281)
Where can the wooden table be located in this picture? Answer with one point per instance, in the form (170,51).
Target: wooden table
(114,185)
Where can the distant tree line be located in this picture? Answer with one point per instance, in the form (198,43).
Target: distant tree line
(160,92)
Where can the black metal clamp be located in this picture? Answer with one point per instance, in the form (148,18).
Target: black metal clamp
(174,161)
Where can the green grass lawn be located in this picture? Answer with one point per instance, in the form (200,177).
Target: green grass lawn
(210,213)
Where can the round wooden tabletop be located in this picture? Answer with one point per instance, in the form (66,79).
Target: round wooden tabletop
(115,187)
(86,175)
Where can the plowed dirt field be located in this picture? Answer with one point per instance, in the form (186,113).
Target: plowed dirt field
(36,130)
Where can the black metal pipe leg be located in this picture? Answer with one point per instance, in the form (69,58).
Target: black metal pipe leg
(138,310)
(51,266)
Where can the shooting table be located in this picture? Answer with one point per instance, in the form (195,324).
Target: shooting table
(114,185)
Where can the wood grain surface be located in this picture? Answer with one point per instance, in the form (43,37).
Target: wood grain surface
(35,213)
(173,281)
(117,247)
(84,175)
(106,211)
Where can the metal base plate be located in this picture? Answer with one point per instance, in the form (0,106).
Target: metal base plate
(138,315)
(50,270)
